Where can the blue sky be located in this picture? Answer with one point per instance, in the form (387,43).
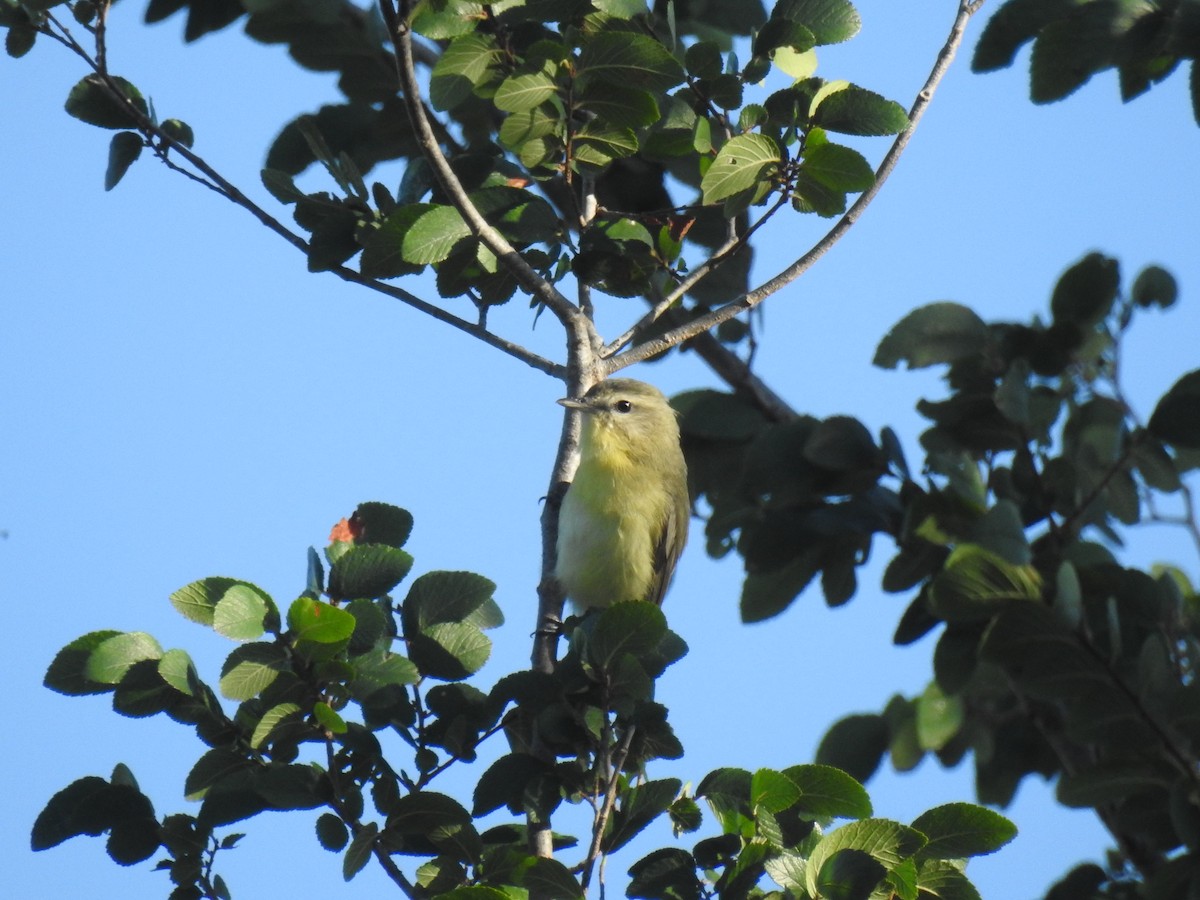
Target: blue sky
(184,399)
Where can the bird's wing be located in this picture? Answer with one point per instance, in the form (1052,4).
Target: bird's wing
(667,548)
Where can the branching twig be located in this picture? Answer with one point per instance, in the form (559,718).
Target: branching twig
(212,179)
(752,298)
(610,799)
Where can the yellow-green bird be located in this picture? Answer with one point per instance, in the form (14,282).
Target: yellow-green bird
(624,520)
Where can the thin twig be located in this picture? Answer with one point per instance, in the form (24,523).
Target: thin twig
(757,295)
(213,180)
(610,799)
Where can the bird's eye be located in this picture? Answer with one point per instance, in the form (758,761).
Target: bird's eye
(623,406)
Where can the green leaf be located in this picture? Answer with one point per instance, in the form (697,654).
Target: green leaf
(273,717)
(885,841)
(975,582)
(332,832)
(321,623)
(828,792)
(198,600)
(855,110)
(329,719)
(939,717)
(368,570)
(849,875)
(521,92)
(178,131)
(91,102)
(67,674)
(945,880)
(19,40)
(240,613)
(772,791)
(1154,286)
(446,597)
(633,627)
(451,18)
(742,163)
(938,333)
(450,651)
(628,59)
(112,657)
(767,594)
(597,144)
(359,852)
(959,830)
(251,668)
(123,150)
(432,235)
(383,523)
(1176,418)
(1086,291)
(469,61)
(80,808)
(639,806)
(383,246)
(855,745)
(830,21)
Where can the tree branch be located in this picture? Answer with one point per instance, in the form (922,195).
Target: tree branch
(966,9)
(533,283)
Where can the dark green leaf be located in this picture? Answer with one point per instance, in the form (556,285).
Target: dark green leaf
(855,110)
(632,627)
(849,875)
(767,594)
(359,852)
(887,842)
(826,791)
(855,745)
(830,21)
(1086,291)
(638,807)
(1176,418)
(959,830)
(67,674)
(332,832)
(368,570)
(450,651)
(91,101)
(178,131)
(469,61)
(382,523)
(19,40)
(629,59)
(937,333)
(1154,286)
(80,808)
(123,150)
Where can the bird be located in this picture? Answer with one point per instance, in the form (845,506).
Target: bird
(624,520)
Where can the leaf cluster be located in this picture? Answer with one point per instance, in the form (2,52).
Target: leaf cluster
(1072,41)
(1051,657)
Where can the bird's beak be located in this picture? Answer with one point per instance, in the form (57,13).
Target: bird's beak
(572,403)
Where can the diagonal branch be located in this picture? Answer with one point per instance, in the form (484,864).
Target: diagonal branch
(164,143)
(750,299)
(533,283)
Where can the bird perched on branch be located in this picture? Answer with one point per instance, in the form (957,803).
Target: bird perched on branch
(624,519)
